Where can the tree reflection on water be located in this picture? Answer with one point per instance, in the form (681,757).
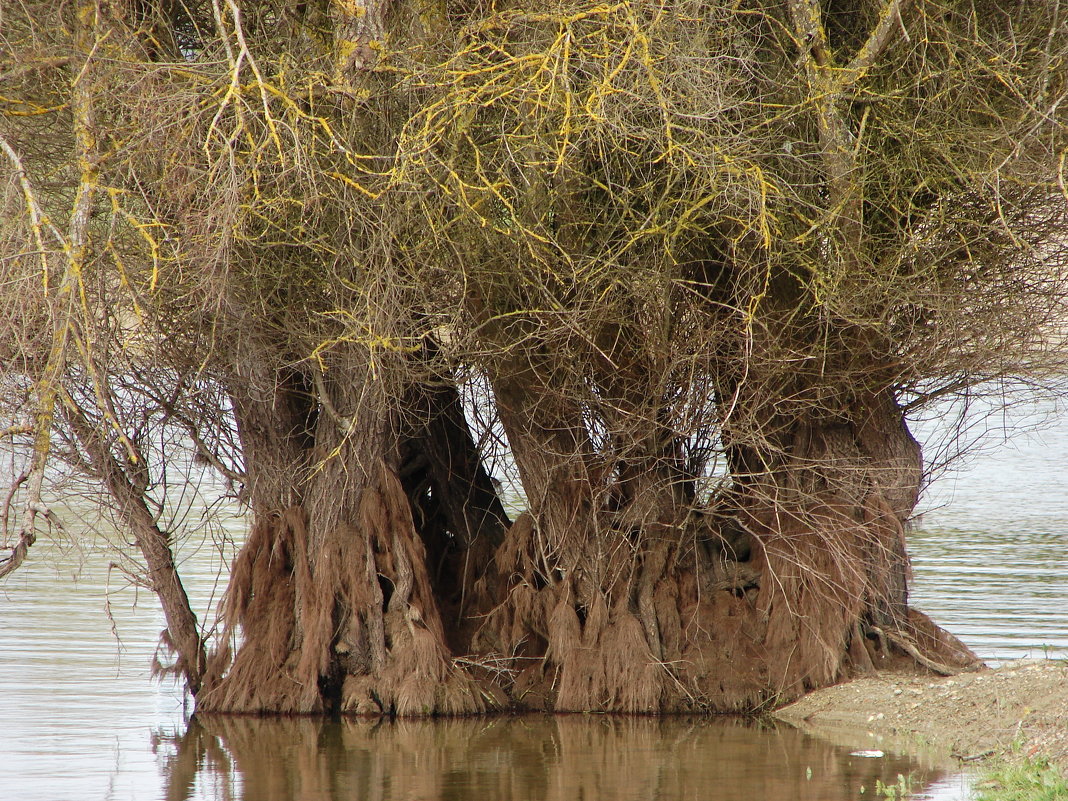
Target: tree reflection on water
(562,757)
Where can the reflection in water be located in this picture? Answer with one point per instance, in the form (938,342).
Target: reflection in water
(549,758)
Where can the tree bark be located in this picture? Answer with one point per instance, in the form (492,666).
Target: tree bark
(458,511)
(183,635)
(335,598)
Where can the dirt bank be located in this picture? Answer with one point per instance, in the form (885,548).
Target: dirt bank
(1021,706)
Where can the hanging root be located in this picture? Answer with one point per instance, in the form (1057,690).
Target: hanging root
(730,617)
(356,630)
(265,672)
(759,610)
(414,673)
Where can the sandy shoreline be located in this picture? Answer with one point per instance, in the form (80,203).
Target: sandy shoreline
(1019,708)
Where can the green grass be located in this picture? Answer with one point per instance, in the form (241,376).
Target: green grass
(1023,780)
(901,789)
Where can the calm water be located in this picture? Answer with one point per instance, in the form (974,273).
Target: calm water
(990,552)
(80,717)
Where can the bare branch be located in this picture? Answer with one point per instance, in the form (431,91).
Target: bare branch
(807,16)
(16,430)
(5,510)
(18,553)
(877,41)
(22,69)
(343,423)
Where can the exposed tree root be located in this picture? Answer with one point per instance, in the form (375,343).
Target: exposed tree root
(357,629)
(905,642)
(727,622)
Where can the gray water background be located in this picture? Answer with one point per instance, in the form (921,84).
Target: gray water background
(80,717)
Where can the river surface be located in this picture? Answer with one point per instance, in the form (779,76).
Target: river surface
(81,717)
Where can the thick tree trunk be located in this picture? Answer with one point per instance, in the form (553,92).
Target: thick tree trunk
(334,602)
(557,600)
(796,580)
(826,576)
(615,592)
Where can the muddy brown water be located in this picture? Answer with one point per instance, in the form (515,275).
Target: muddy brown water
(80,717)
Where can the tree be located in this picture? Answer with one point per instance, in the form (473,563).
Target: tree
(690,264)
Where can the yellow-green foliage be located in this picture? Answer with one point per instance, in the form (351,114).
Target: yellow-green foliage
(566,169)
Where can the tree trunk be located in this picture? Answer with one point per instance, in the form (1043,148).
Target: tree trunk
(556,601)
(182,635)
(459,515)
(793,581)
(334,602)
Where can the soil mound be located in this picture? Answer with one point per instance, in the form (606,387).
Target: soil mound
(1019,707)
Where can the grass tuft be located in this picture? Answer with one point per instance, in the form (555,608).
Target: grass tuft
(1026,780)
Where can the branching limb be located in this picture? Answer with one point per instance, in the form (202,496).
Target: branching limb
(36,66)
(38,221)
(183,630)
(828,86)
(209,456)
(807,17)
(345,424)
(48,384)
(205,452)
(16,431)
(877,40)
(6,508)
(18,551)
(69,295)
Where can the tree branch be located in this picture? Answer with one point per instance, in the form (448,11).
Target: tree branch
(48,384)
(16,430)
(22,69)
(877,40)
(807,16)
(182,627)
(345,424)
